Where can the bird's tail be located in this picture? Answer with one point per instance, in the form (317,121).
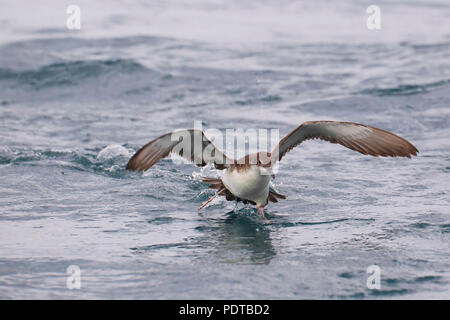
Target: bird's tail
(214,183)
(275,196)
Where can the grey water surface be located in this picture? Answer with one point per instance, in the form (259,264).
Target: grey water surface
(76,104)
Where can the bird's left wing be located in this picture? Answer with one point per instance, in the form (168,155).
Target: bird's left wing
(362,138)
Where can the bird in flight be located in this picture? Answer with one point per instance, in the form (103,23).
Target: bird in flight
(247,179)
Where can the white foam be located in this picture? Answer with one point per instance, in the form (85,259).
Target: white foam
(113,151)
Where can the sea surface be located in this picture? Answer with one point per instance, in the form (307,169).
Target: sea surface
(76,104)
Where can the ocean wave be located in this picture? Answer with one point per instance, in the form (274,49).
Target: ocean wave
(405,89)
(109,161)
(72,72)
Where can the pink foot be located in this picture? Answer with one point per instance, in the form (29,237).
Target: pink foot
(261,213)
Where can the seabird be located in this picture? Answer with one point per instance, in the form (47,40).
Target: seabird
(247,179)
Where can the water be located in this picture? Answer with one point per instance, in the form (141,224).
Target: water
(75,105)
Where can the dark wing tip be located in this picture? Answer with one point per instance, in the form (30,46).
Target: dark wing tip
(385,144)
(132,165)
(140,160)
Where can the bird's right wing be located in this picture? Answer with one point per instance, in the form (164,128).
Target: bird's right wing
(191,144)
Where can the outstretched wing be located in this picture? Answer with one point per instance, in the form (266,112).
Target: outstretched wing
(191,144)
(365,139)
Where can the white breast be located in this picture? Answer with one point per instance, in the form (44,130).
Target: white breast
(248,184)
